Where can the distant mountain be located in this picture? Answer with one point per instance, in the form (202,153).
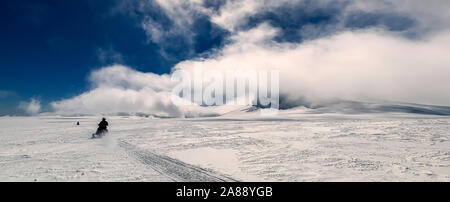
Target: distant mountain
(356,107)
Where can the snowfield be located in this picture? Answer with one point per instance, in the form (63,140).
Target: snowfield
(235,147)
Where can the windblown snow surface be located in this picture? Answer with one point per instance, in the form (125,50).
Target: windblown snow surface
(292,146)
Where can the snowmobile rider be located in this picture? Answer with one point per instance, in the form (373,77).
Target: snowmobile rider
(103,125)
(102,129)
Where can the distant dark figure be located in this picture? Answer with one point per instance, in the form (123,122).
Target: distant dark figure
(102,129)
(78,123)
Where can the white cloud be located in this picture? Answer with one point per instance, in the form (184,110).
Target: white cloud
(118,89)
(367,64)
(154,31)
(124,77)
(31,108)
(232,14)
(110,100)
(431,15)
(370,64)
(182,15)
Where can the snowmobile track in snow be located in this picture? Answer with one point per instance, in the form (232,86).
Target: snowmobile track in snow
(172,168)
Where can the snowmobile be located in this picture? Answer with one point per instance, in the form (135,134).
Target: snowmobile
(100,133)
(102,129)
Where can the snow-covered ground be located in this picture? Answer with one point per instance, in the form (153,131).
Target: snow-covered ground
(292,146)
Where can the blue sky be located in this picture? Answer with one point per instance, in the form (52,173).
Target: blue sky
(48,48)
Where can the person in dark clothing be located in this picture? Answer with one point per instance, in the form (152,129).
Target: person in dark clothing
(102,128)
(103,125)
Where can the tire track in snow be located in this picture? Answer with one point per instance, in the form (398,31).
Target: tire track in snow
(172,168)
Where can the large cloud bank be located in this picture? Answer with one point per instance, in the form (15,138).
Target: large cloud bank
(370,63)
(119,90)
